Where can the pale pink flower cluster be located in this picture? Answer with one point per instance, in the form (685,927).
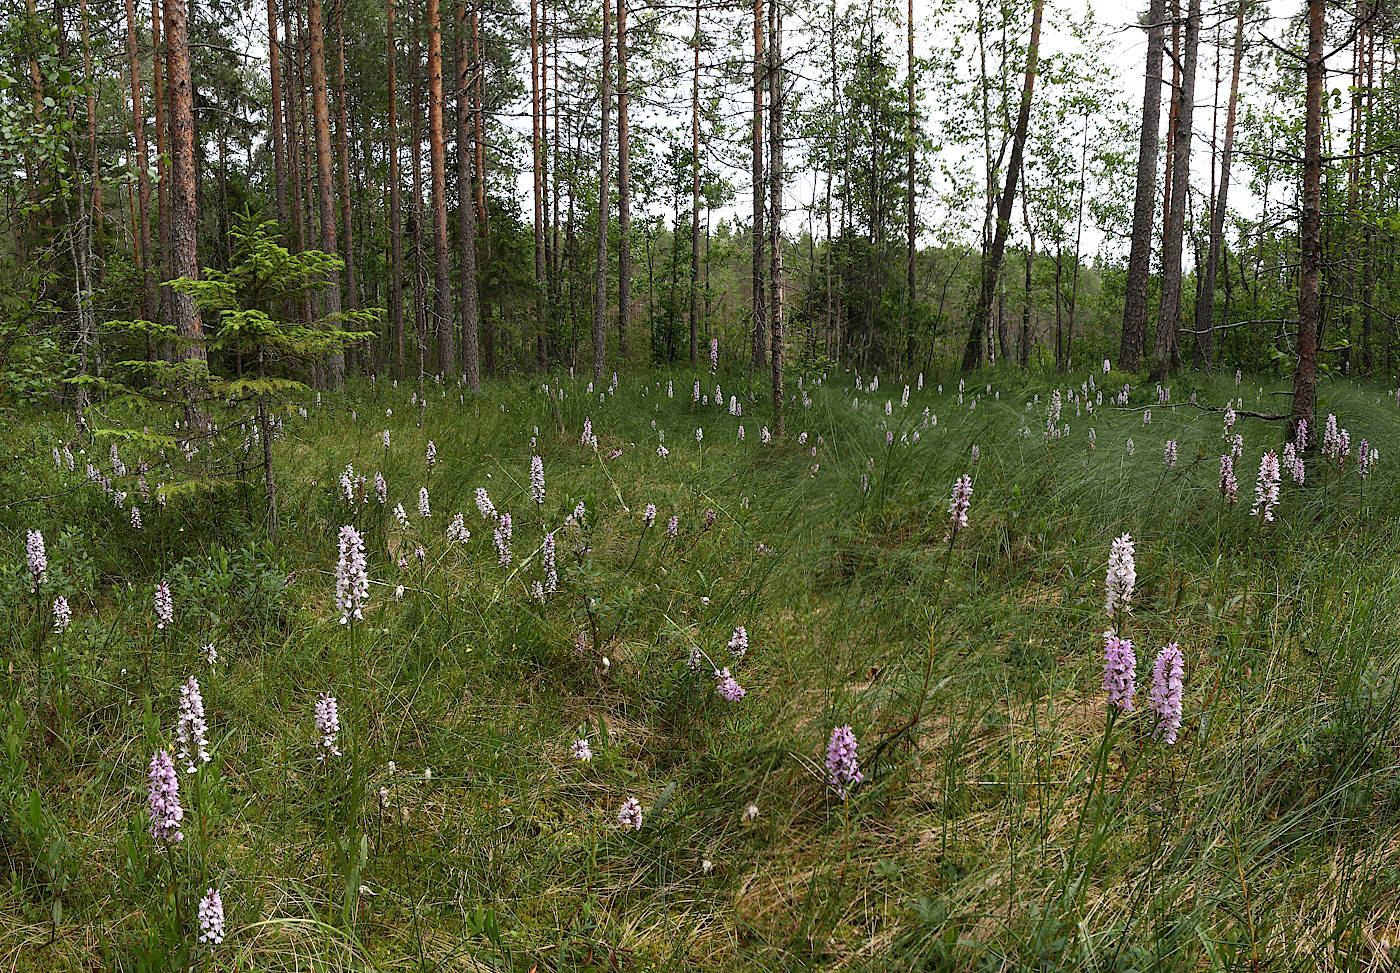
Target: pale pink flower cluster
(165,606)
(327,727)
(351,575)
(1266,487)
(1293,463)
(958,506)
(501,538)
(1229,486)
(1121,577)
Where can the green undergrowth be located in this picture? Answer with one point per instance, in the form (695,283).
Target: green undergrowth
(1014,828)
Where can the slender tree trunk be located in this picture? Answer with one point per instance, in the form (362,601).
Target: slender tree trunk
(1078,241)
(85,245)
(483,211)
(1174,87)
(437,159)
(1309,284)
(415,216)
(466,208)
(94,239)
(775,205)
(342,138)
(279,152)
(991,269)
(759,357)
(695,198)
(395,205)
(556,284)
(537,185)
(600,272)
(549,177)
(1145,201)
(1023,347)
(624,186)
(1164,351)
(184,211)
(161,260)
(1368,81)
(295,143)
(910,216)
(145,260)
(326,197)
(1205,307)
(36,85)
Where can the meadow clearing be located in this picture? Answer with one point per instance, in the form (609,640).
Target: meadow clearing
(702,609)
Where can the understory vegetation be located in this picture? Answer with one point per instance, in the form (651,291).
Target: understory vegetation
(995,813)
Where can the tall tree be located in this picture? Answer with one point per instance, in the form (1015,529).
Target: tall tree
(483,210)
(158,99)
(437,159)
(415,217)
(1165,349)
(296,164)
(537,171)
(274,114)
(1145,197)
(775,205)
(326,196)
(758,357)
(624,183)
(600,272)
(184,211)
(150,300)
(342,139)
(695,197)
(1205,307)
(909,255)
(395,204)
(991,268)
(1310,276)
(466,209)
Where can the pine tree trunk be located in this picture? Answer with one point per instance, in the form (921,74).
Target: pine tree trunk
(758,358)
(295,144)
(1205,306)
(556,283)
(695,198)
(326,196)
(1165,349)
(184,213)
(1145,201)
(600,271)
(1310,227)
(775,207)
(437,159)
(909,255)
(991,269)
(466,209)
(342,138)
(161,260)
(1368,80)
(274,114)
(145,259)
(415,211)
(395,205)
(483,211)
(624,186)
(537,182)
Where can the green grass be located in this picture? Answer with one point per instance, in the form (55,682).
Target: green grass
(1007,832)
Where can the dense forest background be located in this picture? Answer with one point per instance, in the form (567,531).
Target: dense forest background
(796,183)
